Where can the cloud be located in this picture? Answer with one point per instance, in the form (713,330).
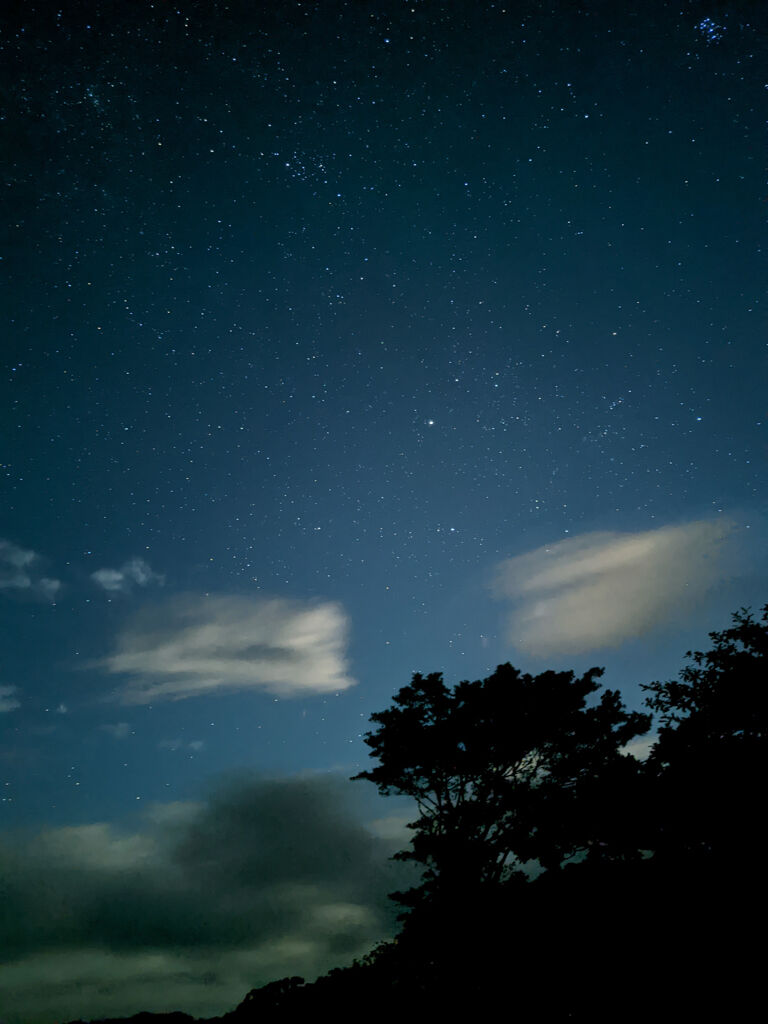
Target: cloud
(394,828)
(48,588)
(135,572)
(601,589)
(197,905)
(14,565)
(19,571)
(119,730)
(641,746)
(8,701)
(196,646)
(178,744)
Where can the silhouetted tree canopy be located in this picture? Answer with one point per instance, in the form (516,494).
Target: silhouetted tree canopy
(710,758)
(506,769)
(721,696)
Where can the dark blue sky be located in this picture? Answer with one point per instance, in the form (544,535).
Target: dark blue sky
(345,340)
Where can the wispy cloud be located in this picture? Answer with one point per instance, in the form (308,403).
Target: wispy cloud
(118,730)
(48,588)
(15,565)
(601,589)
(20,571)
(8,700)
(195,646)
(178,744)
(134,573)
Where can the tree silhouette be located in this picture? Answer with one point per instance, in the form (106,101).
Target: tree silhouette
(270,997)
(504,770)
(709,761)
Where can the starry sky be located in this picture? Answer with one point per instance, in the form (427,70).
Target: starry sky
(343,340)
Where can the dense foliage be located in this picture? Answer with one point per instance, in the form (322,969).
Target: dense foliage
(504,770)
(709,763)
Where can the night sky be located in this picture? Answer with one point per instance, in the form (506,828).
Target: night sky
(343,340)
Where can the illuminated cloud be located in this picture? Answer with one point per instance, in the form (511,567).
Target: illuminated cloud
(641,746)
(601,589)
(196,646)
(135,572)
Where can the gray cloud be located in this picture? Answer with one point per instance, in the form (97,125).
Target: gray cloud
(134,573)
(48,588)
(264,879)
(201,645)
(119,730)
(601,589)
(19,571)
(179,744)
(8,701)
(15,563)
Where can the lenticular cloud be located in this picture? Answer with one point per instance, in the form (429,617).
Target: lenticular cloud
(601,589)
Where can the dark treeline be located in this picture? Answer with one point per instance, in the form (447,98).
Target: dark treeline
(563,877)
